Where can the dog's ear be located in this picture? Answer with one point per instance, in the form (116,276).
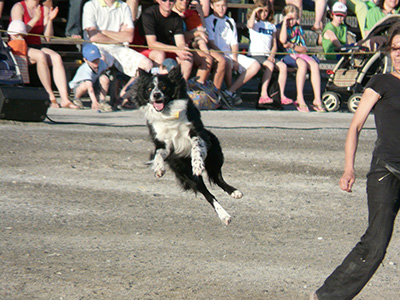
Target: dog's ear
(175,74)
(143,73)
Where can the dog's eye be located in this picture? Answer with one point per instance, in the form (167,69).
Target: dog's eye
(164,88)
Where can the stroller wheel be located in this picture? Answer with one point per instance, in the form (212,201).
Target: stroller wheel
(353,102)
(331,101)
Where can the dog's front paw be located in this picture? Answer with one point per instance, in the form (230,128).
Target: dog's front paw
(197,167)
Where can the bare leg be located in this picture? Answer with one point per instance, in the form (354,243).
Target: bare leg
(269,67)
(60,78)
(245,76)
(300,80)
(219,73)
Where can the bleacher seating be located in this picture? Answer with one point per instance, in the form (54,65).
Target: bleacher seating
(69,48)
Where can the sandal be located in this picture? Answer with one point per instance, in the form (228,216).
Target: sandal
(301,107)
(54,103)
(265,100)
(70,105)
(318,108)
(286,101)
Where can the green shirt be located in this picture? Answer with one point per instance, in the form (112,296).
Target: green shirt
(374,15)
(341,34)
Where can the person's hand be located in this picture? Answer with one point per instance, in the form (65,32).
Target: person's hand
(347,180)
(203,35)
(53,13)
(195,5)
(184,54)
(95,105)
(271,58)
(257,10)
(37,13)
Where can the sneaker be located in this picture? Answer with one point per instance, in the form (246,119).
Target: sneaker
(104,106)
(227,100)
(78,102)
(236,99)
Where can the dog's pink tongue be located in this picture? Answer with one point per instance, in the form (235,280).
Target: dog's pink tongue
(158,106)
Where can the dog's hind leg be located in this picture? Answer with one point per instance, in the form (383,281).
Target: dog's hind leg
(232,191)
(221,212)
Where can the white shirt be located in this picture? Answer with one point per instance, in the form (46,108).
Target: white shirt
(223,32)
(97,14)
(261,37)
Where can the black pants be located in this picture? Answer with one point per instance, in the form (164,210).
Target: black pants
(383,189)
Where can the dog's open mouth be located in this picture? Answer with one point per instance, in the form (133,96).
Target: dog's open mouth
(158,105)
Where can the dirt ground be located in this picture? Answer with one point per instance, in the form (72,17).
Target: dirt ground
(83,217)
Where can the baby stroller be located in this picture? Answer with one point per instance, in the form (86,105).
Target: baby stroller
(352,72)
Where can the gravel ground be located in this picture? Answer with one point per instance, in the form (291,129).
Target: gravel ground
(83,217)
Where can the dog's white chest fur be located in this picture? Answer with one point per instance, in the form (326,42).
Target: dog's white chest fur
(172,128)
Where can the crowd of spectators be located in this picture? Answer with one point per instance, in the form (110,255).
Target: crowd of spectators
(200,36)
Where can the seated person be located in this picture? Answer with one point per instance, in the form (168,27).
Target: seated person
(196,36)
(223,37)
(110,33)
(383,9)
(335,32)
(39,20)
(164,36)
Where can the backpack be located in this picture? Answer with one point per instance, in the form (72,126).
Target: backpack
(204,96)
(274,93)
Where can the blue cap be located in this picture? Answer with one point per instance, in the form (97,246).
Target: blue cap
(169,63)
(91,52)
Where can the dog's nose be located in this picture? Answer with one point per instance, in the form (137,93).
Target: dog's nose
(157,95)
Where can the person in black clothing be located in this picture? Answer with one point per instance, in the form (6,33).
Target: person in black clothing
(163,31)
(383,181)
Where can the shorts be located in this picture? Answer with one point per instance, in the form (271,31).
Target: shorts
(290,59)
(244,61)
(125,59)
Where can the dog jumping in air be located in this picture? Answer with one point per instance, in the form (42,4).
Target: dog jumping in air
(179,136)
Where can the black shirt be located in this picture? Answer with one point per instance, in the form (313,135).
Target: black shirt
(387,116)
(164,28)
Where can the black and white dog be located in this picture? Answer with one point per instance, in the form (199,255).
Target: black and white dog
(179,136)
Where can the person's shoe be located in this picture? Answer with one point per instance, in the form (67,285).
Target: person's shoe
(236,99)
(286,101)
(104,106)
(265,100)
(227,100)
(78,102)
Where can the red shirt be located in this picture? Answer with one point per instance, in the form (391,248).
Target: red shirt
(37,29)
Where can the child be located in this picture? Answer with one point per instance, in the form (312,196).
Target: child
(335,32)
(222,36)
(263,48)
(90,77)
(16,30)
(193,20)
(291,37)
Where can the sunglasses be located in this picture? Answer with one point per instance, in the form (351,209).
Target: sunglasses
(340,15)
(168,1)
